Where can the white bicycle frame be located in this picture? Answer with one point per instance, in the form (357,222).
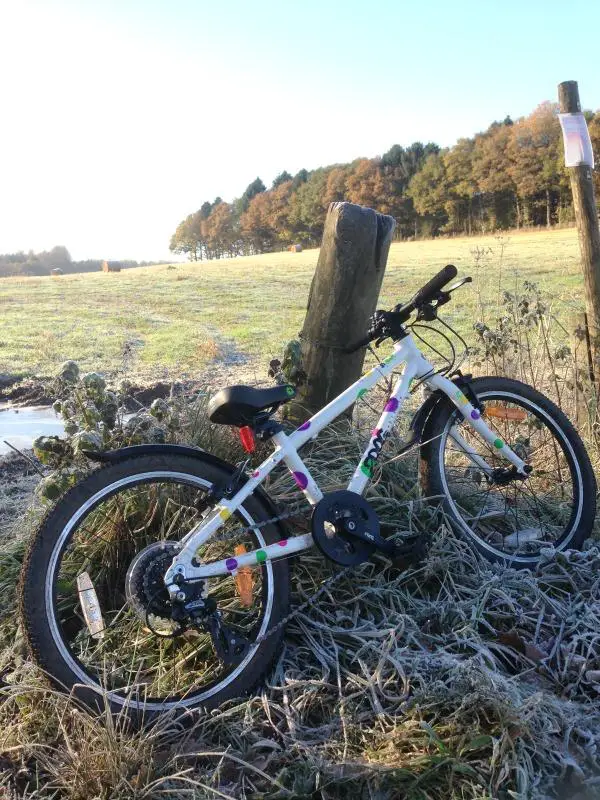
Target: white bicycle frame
(286,449)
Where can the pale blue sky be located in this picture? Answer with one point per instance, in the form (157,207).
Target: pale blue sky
(120,117)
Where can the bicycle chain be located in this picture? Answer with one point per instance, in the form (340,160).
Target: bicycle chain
(310,601)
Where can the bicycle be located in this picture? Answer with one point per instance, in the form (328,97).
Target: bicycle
(134,593)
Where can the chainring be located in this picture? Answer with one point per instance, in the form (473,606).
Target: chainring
(335,518)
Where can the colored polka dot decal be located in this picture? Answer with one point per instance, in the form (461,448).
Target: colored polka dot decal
(231,564)
(256,473)
(261,556)
(375,432)
(282,543)
(305,426)
(391,405)
(301,479)
(388,359)
(461,398)
(475,414)
(290,391)
(366,470)
(362,393)
(224,513)
(499,443)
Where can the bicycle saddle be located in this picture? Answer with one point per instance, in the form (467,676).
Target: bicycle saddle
(241,405)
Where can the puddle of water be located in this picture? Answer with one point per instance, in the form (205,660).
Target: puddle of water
(20,426)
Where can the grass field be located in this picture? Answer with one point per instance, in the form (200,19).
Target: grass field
(454,679)
(174,320)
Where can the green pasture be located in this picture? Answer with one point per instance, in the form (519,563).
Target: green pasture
(174,321)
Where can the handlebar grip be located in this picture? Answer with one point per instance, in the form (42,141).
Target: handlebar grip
(433,286)
(357,345)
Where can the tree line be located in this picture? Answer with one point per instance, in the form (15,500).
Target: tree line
(27,264)
(510,176)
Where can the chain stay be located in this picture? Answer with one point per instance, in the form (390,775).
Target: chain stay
(310,600)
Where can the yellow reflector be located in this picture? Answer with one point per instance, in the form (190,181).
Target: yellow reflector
(505,413)
(243,579)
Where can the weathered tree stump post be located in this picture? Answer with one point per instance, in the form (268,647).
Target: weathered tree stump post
(343,295)
(586,217)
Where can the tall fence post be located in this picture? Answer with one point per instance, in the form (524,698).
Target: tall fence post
(586,217)
(343,295)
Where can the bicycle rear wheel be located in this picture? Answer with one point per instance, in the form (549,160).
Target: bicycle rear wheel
(512,521)
(106,533)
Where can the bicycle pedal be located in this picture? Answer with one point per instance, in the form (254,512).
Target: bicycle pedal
(409,552)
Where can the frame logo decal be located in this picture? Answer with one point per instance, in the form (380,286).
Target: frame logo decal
(369,462)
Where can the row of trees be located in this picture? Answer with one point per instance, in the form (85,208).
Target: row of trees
(511,175)
(15,264)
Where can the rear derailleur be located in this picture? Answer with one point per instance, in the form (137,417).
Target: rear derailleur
(191,607)
(189,610)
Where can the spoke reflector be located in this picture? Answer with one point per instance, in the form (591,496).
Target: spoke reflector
(505,413)
(244,582)
(90,606)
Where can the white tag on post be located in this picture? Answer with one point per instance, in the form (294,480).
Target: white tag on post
(576,138)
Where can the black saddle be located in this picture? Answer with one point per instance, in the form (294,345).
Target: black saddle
(242,405)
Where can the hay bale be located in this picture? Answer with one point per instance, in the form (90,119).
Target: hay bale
(56,272)
(111,266)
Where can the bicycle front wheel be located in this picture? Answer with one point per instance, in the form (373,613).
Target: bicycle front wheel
(508,518)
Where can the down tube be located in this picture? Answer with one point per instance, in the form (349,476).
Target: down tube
(364,471)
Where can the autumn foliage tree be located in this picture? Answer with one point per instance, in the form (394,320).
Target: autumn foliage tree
(510,175)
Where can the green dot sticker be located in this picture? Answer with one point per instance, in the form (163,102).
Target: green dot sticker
(498,443)
(361,393)
(261,556)
(367,471)
(290,391)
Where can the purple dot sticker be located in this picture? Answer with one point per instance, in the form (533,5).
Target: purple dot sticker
(256,473)
(231,564)
(301,479)
(475,414)
(282,543)
(391,405)
(305,426)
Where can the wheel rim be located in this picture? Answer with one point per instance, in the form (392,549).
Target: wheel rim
(515,521)
(98,540)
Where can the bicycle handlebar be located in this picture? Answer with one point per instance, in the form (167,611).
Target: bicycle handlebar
(435,285)
(423,296)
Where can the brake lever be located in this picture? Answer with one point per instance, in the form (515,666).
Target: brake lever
(458,284)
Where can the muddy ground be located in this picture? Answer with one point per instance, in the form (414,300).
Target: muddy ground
(40,391)
(18,479)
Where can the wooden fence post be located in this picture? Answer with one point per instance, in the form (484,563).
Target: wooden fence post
(586,217)
(343,295)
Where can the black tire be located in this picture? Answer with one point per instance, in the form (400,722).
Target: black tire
(41,621)
(437,479)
